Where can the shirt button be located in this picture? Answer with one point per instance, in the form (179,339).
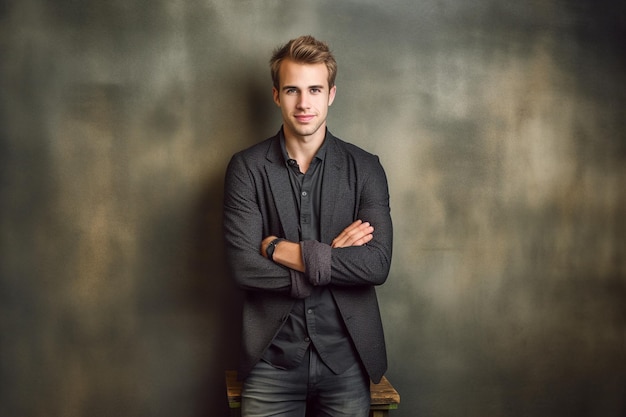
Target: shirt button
(307,339)
(310,310)
(304,194)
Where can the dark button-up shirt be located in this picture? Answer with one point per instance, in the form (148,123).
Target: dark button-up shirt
(314,320)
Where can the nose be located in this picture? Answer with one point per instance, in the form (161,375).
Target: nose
(303,101)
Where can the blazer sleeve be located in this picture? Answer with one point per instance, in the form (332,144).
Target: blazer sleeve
(243,232)
(368,264)
(244,228)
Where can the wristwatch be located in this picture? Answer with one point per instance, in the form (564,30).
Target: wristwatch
(271,247)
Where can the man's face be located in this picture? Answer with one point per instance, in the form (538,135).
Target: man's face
(304,98)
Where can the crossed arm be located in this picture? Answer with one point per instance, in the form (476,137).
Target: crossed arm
(289,254)
(299,265)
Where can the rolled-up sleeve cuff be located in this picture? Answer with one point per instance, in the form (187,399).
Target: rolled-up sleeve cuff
(316,257)
(300,286)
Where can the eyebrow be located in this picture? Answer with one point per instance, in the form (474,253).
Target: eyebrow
(289,87)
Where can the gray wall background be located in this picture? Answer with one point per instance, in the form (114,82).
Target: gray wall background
(501,127)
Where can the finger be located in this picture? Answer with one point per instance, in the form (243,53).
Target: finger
(340,239)
(350,234)
(363,236)
(353,241)
(365,239)
(352,227)
(354,237)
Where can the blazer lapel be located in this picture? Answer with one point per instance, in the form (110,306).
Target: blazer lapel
(282,194)
(332,182)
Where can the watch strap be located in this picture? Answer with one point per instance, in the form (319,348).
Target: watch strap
(272,247)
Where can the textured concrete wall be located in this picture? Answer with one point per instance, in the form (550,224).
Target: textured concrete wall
(500,124)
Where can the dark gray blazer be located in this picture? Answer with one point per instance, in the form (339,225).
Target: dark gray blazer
(258,202)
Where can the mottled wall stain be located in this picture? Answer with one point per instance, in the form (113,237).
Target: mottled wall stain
(501,130)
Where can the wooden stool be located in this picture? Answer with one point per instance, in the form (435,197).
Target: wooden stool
(384,396)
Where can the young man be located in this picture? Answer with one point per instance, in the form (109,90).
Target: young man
(308,237)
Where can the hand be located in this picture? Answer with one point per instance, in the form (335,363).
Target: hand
(357,234)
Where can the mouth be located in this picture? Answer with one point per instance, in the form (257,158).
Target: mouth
(304,118)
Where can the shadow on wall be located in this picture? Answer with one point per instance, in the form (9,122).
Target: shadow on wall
(214,293)
(212,290)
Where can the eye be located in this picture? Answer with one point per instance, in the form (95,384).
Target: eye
(316,90)
(291,91)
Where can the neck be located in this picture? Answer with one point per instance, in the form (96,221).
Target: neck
(304,149)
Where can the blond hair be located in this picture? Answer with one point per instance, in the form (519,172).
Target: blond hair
(305,50)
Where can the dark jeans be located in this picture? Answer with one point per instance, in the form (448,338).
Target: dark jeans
(309,390)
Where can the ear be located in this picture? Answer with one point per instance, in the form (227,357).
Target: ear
(331,95)
(276,96)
